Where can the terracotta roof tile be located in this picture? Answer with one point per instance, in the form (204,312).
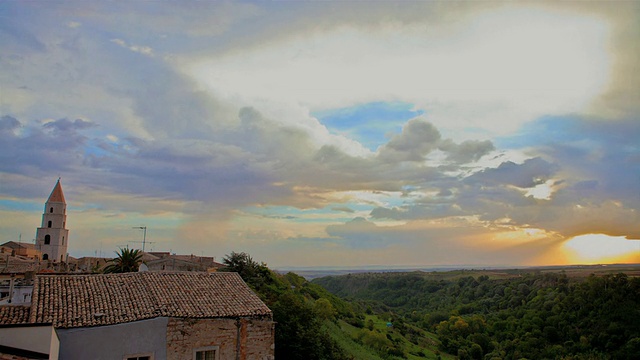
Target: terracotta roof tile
(14,314)
(91,300)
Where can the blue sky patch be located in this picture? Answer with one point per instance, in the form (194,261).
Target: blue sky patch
(370,123)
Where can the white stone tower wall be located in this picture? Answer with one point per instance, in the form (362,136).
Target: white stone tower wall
(54,223)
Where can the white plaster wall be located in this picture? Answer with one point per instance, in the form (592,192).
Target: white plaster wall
(113,342)
(32,338)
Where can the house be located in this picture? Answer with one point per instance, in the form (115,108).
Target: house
(165,261)
(147,315)
(16,289)
(17,264)
(21,249)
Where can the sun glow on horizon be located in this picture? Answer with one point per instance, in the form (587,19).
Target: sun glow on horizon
(600,248)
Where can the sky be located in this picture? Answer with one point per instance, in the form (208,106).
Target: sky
(327,133)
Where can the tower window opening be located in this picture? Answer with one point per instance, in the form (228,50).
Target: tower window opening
(45,257)
(49,223)
(47,240)
(63,240)
(51,209)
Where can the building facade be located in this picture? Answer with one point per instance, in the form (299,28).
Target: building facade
(52,237)
(143,316)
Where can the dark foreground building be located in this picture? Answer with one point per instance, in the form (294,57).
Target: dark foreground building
(141,316)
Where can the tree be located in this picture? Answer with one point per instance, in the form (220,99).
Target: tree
(128,260)
(256,275)
(324,309)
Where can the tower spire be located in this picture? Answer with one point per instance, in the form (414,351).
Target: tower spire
(56,194)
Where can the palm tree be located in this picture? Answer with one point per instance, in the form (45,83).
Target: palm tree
(128,260)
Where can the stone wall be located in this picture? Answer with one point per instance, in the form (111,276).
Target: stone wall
(237,339)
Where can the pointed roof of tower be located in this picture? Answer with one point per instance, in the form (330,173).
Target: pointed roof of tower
(56,194)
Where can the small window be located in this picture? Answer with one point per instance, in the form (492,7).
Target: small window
(45,256)
(63,240)
(50,210)
(206,353)
(49,223)
(47,239)
(146,356)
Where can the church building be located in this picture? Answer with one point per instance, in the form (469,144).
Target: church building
(52,237)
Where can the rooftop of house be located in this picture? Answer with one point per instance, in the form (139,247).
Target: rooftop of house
(18,245)
(68,301)
(14,314)
(16,264)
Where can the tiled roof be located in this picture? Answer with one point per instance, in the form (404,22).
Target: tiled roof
(92,300)
(18,245)
(17,264)
(14,314)
(56,194)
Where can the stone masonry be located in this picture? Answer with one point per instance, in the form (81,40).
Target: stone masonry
(238,339)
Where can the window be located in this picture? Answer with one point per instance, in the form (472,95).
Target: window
(50,210)
(47,239)
(63,240)
(45,257)
(206,353)
(49,223)
(147,356)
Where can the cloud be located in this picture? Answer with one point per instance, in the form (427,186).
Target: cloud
(357,233)
(479,80)
(532,172)
(467,151)
(144,50)
(242,106)
(418,139)
(342,209)
(8,123)
(66,125)
(421,211)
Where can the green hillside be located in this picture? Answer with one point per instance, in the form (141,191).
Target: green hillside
(507,314)
(313,323)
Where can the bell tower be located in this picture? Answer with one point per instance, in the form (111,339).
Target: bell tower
(52,237)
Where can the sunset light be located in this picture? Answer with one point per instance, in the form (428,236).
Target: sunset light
(602,249)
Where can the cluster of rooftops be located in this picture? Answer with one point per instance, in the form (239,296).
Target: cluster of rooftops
(71,301)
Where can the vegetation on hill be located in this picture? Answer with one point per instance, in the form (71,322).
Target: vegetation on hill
(525,315)
(313,324)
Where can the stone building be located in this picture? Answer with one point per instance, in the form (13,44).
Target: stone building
(15,248)
(52,237)
(148,315)
(164,261)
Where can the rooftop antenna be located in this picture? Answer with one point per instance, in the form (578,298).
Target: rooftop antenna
(144,236)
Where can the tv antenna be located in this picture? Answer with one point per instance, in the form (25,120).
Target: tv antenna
(144,236)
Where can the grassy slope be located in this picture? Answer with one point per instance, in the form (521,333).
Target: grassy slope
(344,334)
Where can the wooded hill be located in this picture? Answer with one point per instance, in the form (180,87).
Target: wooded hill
(506,314)
(516,314)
